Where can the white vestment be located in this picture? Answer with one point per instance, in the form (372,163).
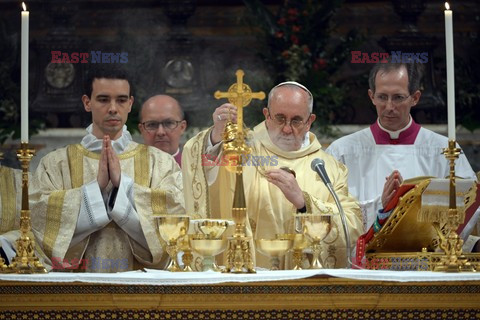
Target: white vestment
(209,190)
(10,205)
(369,164)
(114,231)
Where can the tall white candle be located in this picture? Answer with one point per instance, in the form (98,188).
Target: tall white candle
(450,72)
(24,75)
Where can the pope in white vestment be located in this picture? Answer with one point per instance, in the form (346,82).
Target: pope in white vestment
(75,221)
(209,187)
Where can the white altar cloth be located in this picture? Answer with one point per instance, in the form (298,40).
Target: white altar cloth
(159,277)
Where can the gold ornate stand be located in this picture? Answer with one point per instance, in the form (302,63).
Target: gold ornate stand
(25,261)
(453,260)
(240,247)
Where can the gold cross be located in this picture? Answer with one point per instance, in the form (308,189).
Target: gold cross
(240,95)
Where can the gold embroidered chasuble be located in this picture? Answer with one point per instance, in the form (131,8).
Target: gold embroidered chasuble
(269,212)
(10,202)
(56,196)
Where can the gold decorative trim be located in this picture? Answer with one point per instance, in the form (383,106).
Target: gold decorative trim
(159,202)
(442,193)
(305,295)
(96,156)
(197,186)
(280,314)
(411,261)
(204,176)
(308,201)
(438,213)
(142,169)
(392,235)
(54,215)
(8,199)
(470,196)
(76,152)
(75,163)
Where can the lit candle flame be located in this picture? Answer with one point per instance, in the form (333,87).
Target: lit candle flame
(447,6)
(24,6)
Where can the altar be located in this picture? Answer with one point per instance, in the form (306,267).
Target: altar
(301,294)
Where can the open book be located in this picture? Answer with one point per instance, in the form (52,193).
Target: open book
(406,225)
(410,183)
(406,186)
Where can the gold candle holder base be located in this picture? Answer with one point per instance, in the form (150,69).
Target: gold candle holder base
(239,256)
(3,266)
(453,260)
(25,261)
(240,247)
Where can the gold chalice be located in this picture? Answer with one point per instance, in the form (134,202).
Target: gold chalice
(316,227)
(172,227)
(208,248)
(300,242)
(187,258)
(274,248)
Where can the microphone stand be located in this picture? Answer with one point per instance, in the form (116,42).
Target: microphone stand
(344,224)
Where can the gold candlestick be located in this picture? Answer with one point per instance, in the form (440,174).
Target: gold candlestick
(25,261)
(453,260)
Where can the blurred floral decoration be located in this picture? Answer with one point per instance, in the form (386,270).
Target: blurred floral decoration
(299,47)
(10,92)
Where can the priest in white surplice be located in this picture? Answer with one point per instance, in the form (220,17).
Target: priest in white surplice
(93,203)
(394,147)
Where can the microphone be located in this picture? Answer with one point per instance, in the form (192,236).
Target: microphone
(318,165)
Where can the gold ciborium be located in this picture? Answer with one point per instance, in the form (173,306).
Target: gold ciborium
(274,248)
(171,228)
(208,248)
(316,227)
(213,228)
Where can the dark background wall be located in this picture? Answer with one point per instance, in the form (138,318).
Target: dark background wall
(190,48)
